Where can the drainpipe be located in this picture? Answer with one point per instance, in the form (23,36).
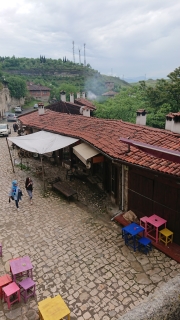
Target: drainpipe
(122,205)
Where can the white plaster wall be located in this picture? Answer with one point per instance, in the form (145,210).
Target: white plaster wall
(86,112)
(175,127)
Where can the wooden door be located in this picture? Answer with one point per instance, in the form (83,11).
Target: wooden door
(149,194)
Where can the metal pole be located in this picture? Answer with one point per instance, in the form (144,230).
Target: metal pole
(43,172)
(10,155)
(122,206)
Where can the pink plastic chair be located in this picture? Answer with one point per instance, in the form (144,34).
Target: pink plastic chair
(11,291)
(4,281)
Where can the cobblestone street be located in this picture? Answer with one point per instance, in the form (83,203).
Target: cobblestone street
(76,252)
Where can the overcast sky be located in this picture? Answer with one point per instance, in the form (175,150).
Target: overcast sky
(126,38)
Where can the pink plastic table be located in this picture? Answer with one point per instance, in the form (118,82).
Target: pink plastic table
(21,266)
(152,224)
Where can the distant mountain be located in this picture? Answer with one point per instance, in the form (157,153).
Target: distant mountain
(142,78)
(135,79)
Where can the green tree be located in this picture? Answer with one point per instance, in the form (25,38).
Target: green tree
(17,87)
(123,106)
(174,89)
(157,118)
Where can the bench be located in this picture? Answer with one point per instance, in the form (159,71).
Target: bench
(65,189)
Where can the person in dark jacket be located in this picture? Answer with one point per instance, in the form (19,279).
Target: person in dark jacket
(15,127)
(29,188)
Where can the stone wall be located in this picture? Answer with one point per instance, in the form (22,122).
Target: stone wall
(7,102)
(4,101)
(163,304)
(16,102)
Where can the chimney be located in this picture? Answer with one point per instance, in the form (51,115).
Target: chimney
(63,96)
(83,95)
(169,121)
(85,111)
(72,97)
(141,117)
(78,95)
(173,122)
(40,108)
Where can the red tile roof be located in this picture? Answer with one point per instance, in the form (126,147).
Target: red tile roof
(173,114)
(85,102)
(105,134)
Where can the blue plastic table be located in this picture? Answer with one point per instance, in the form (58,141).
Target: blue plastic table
(129,234)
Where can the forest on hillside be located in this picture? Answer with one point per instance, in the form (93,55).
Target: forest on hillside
(157,100)
(57,74)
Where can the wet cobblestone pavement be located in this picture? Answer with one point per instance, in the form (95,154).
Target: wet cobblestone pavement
(76,252)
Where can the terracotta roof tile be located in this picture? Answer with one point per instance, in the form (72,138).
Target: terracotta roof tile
(105,134)
(85,102)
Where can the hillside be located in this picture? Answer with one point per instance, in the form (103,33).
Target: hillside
(53,73)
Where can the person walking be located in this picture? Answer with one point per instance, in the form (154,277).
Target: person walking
(15,127)
(29,188)
(15,193)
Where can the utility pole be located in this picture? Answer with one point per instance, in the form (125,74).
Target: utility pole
(73,52)
(84,55)
(79,56)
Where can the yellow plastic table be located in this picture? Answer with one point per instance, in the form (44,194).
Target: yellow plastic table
(41,303)
(54,309)
(166,236)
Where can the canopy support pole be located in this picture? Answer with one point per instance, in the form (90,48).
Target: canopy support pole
(43,172)
(10,155)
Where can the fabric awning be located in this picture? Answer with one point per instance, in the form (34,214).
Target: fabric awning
(84,152)
(42,142)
